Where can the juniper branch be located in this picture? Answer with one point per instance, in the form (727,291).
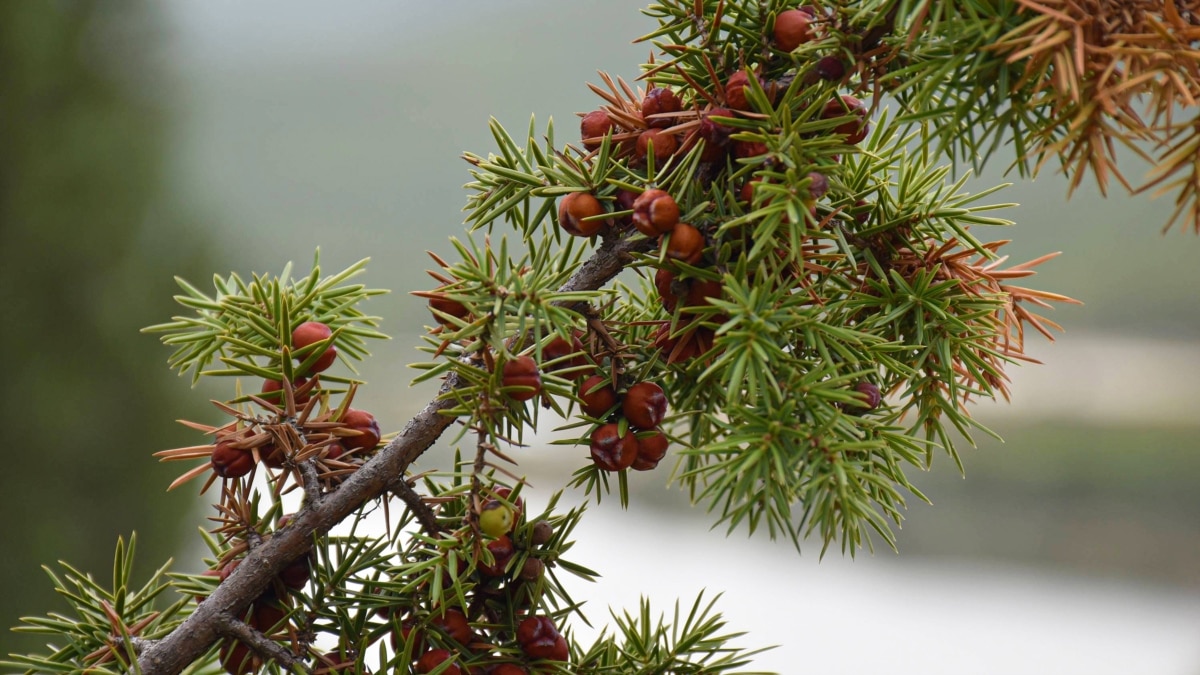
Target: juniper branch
(174,652)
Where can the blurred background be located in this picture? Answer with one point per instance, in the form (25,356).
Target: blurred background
(142,140)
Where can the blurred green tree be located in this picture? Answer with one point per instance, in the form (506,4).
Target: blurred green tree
(89,241)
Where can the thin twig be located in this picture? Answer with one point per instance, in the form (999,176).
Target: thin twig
(423,512)
(264,646)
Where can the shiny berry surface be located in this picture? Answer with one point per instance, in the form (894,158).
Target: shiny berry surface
(496,518)
(540,639)
(645,405)
(610,450)
(597,396)
(364,423)
(593,127)
(230,462)
(854,130)
(433,658)
(664,145)
(658,101)
(574,208)
(502,551)
(652,448)
(522,372)
(454,624)
(309,333)
(447,306)
(792,29)
(655,213)
(686,244)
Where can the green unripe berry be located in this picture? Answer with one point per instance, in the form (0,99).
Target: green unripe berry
(495,518)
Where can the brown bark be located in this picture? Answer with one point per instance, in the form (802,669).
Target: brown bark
(174,652)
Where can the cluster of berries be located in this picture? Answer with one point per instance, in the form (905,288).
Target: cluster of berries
(662,124)
(613,447)
(462,639)
(238,450)
(617,444)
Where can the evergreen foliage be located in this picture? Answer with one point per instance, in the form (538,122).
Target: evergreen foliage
(807,314)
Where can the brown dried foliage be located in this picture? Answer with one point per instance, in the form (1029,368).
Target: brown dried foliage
(1116,72)
(984,277)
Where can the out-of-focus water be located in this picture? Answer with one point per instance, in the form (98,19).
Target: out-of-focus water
(888,615)
(881,613)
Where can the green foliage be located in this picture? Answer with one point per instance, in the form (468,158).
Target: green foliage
(244,322)
(819,314)
(645,644)
(98,636)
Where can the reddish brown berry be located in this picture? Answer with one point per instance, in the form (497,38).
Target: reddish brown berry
(597,396)
(540,639)
(593,127)
(454,624)
(625,199)
(748,149)
(522,372)
(862,211)
(272,455)
(658,101)
(334,450)
(502,552)
(652,448)
(700,290)
(664,282)
(577,206)
(533,569)
(714,134)
(433,658)
(686,243)
(445,305)
(364,423)
(309,333)
(558,349)
(273,391)
(854,130)
(664,145)
(831,68)
(655,212)
(610,450)
(407,629)
(295,576)
(712,131)
(322,364)
(735,90)
(818,186)
(508,669)
(230,462)
(645,405)
(687,345)
(236,658)
(747,192)
(792,29)
(229,567)
(869,393)
(542,532)
(267,615)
